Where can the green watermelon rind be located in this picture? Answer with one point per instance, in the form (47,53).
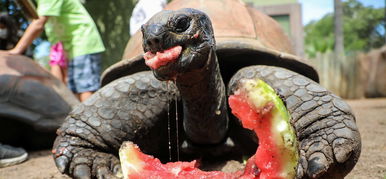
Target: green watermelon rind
(258,95)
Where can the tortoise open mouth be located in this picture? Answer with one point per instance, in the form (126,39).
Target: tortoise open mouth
(162,58)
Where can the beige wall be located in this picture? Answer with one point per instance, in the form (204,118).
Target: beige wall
(293,10)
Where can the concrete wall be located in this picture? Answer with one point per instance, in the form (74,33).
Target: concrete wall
(289,15)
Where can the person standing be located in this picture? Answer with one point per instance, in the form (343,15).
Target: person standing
(143,11)
(68,22)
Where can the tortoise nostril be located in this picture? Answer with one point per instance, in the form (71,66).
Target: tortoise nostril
(148,42)
(154,43)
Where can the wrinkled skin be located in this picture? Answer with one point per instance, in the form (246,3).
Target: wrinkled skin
(136,108)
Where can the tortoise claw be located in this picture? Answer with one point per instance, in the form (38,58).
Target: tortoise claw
(117,170)
(61,163)
(317,165)
(106,166)
(105,173)
(82,172)
(342,150)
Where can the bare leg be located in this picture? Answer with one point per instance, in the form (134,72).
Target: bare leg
(83,96)
(56,70)
(64,74)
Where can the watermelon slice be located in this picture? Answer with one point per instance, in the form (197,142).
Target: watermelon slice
(137,165)
(258,107)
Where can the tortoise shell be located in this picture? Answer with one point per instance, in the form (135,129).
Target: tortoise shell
(244,36)
(31,95)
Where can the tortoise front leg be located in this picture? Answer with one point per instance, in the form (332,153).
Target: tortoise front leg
(130,108)
(329,140)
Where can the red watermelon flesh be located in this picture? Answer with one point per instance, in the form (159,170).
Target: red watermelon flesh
(137,165)
(258,108)
(158,59)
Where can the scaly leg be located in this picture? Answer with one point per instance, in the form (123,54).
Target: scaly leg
(131,108)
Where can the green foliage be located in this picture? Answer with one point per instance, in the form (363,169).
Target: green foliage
(113,21)
(364,29)
(319,36)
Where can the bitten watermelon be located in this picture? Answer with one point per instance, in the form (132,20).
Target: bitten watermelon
(258,107)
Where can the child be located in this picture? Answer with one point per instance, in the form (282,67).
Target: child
(68,21)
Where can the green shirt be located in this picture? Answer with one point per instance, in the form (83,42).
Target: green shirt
(71,24)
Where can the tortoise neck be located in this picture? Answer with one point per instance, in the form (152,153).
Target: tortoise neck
(204,101)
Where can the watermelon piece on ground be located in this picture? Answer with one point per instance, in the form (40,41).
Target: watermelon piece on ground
(137,165)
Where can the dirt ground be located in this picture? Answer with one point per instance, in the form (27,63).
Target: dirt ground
(371,120)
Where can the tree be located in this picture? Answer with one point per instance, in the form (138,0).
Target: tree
(113,21)
(338,27)
(364,29)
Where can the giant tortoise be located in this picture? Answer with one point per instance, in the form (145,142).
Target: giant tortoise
(33,103)
(190,65)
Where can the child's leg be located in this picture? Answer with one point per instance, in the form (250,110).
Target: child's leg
(56,71)
(64,74)
(84,95)
(84,75)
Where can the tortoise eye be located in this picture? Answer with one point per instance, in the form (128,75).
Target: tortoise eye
(182,23)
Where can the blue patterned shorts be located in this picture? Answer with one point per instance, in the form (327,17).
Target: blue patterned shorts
(84,73)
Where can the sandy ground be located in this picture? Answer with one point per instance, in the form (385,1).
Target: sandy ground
(371,120)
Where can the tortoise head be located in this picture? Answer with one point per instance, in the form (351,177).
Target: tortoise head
(177,42)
